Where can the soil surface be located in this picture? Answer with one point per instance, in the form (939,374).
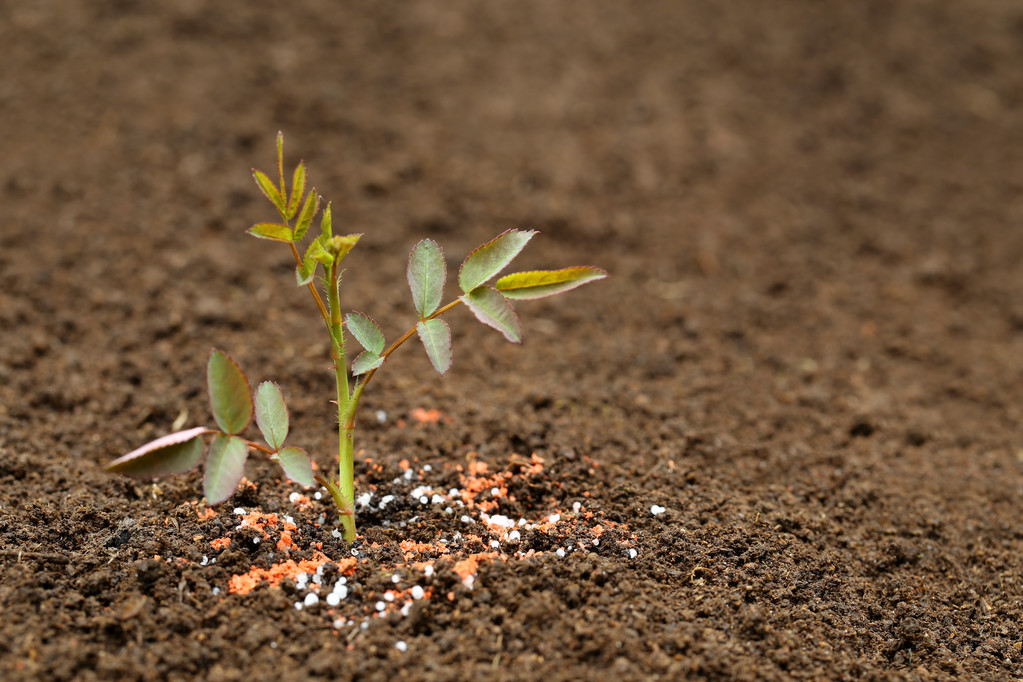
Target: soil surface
(782,441)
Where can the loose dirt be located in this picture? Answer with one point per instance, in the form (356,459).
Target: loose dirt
(782,441)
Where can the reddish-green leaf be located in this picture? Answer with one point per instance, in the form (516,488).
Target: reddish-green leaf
(296,465)
(174,453)
(305,217)
(541,283)
(225,466)
(494,310)
(366,361)
(271,414)
(366,332)
(269,189)
(297,189)
(230,395)
(274,231)
(426,274)
(489,259)
(436,337)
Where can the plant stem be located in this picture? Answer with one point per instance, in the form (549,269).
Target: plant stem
(345,409)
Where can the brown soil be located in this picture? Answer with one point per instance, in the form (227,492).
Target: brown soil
(810,351)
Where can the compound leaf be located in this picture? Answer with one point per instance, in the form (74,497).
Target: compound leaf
(436,337)
(297,189)
(491,308)
(273,231)
(426,274)
(489,259)
(540,283)
(272,192)
(174,453)
(366,361)
(271,414)
(225,466)
(366,332)
(296,465)
(230,395)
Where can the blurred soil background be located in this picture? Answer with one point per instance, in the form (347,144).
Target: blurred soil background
(809,352)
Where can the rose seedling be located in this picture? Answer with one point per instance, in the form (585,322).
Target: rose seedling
(234,404)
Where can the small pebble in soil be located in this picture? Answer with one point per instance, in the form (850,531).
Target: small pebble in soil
(495,543)
(560,552)
(241,512)
(514,535)
(428,571)
(657,510)
(380,606)
(381,416)
(318,495)
(466,519)
(554,518)
(401,646)
(633,553)
(311,599)
(216,591)
(417,592)
(395,578)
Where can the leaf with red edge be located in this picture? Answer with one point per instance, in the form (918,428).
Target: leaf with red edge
(174,453)
(230,395)
(271,414)
(296,465)
(225,466)
(541,283)
(493,309)
(272,192)
(489,259)
(426,273)
(436,337)
(272,231)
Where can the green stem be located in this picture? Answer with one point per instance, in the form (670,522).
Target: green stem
(345,410)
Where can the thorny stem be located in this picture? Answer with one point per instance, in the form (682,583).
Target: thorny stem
(345,411)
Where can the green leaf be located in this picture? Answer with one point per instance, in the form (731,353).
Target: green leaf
(174,453)
(489,259)
(436,337)
(297,189)
(491,308)
(280,161)
(304,272)
(426,274)
(540,283)
(269,189)
(318,252)
(341,246)
(225,466)
(271,414)
(274,231)
(296,465)
(326,228)
(305,217)
(230,395)
(366,361)
(366,332)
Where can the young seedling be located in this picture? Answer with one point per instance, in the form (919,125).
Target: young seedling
(231,399)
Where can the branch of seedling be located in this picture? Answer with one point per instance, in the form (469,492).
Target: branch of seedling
(233,403)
